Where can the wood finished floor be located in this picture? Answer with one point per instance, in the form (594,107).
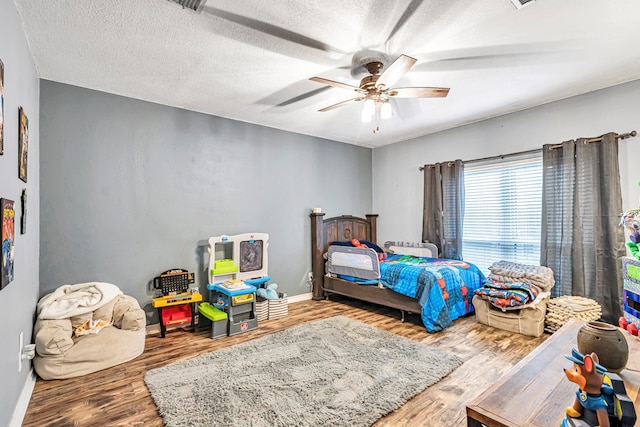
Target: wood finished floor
(119,397)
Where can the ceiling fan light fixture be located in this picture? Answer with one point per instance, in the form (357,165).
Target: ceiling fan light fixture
(385,110)
(369,107)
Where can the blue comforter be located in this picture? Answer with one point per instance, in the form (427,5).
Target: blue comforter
(443,287)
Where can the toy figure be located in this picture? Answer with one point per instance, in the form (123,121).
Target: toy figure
(595,391)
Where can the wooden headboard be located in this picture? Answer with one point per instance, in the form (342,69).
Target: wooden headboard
(340,228)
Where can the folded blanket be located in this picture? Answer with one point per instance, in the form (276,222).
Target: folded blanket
(73,300)
(509,294)
(506,271)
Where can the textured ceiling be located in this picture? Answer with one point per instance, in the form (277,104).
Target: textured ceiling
(251,60)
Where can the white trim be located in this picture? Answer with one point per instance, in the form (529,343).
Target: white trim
(23,401)
(301,297)
(153,329)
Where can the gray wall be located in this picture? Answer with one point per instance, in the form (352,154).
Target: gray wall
(397,183)
(131,188)
(18,299)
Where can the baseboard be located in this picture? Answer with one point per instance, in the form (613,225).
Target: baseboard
(301,297)
(154,329)
(23,401)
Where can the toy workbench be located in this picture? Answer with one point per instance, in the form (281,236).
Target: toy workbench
(174,310)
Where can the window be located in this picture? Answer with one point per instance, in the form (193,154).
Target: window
(502,216)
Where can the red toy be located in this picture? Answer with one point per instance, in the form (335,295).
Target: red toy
(632,328)
(357,244)
(622,322)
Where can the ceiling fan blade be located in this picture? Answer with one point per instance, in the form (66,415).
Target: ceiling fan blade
(509,55)
(341,104)
(335,84)
(271,30)
(302,97)
(293,93)
(408,13)
(507,60)
(418,92)
(396,70)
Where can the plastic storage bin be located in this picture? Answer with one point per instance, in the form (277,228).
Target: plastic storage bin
(176,315)
(631,295)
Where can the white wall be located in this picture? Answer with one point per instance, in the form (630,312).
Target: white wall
(397,182)
(18,299)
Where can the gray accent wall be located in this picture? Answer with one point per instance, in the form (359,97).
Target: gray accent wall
(398,183)
(18,299)
(131,188)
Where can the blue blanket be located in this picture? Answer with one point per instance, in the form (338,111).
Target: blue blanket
(443,287)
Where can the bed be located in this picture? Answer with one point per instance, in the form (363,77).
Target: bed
(440,290)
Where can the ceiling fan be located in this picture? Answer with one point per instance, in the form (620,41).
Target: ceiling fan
(376,89)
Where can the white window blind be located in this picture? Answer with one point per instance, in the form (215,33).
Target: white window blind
(502,213)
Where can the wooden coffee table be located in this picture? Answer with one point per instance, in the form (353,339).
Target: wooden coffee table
(535,392)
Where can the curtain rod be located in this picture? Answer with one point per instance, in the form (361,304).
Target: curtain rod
(598,139)
(502,156)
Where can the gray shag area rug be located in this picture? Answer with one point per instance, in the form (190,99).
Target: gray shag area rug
(332,372)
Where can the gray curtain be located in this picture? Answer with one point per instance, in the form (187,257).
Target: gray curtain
(582,241)
(443,208)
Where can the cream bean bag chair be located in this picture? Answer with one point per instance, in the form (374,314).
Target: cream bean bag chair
(84,328)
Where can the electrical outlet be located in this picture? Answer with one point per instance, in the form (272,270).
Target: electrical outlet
(20,345)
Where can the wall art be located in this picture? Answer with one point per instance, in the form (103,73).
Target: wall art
(23,212)
(7,207)
(23,144)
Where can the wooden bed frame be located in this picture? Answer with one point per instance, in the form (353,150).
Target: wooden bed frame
(345,228)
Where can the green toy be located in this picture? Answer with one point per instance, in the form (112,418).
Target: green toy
(634,249)
(631,221)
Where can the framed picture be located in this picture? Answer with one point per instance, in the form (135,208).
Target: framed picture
(1,107)
(8,229)
(23,144)
(23,212)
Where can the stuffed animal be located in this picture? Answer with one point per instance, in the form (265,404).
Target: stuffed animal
(270,292)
